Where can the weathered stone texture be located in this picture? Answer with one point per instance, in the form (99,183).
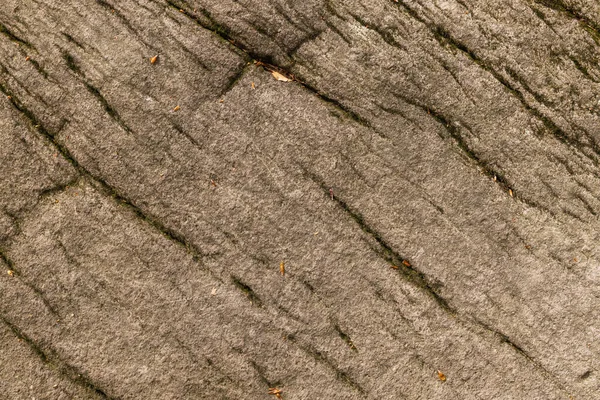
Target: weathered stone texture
(409,212)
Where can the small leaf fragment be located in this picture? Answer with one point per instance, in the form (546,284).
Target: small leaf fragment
(441,376)
(280,77)
(275,392)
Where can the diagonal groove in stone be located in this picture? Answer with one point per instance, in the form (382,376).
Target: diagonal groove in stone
(461,143)
(50,358)
(105,187)
(484,166)
(444,37)
(460,137)
(109,7)
(235,78)
(172,235)
(14,38)
(17,273)
(208,23)
(559,5)
(505,339)
(384,250)
(322,358)
(420,280)
(109,109)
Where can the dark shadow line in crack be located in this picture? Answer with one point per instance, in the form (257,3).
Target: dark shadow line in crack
(384,250)
(53,361)
(17,273)
(420,280)
(208,23)
(101,184)
(445,38)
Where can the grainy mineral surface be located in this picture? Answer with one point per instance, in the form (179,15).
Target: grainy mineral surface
(320,199)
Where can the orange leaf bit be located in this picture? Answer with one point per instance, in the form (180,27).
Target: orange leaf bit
(441,376)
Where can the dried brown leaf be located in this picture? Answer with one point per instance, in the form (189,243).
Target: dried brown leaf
(280,77)
(441,376)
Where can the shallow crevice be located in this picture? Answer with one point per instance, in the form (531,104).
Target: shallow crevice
(51,359)
(345,337)
(247,291)
(234,79)
(94,91)
(518,349)
(323,359)
(208,23)
(589,25)
(16,273)
(14,38)
(385,34)
(383,249)
(419,279)
(100,183)
(109,7)
(445,38)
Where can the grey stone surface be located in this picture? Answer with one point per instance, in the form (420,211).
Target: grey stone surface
(409,212)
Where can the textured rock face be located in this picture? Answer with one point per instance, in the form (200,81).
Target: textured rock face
(302,200)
